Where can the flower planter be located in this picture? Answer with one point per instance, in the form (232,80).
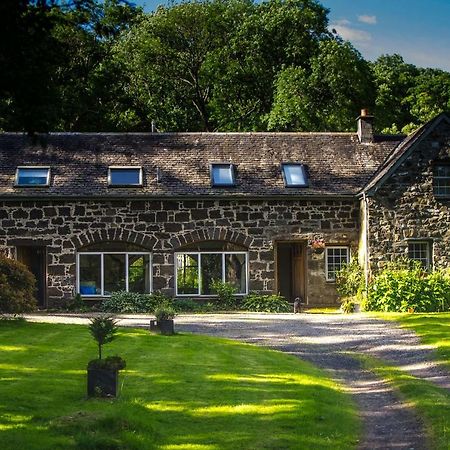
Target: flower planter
(102,382)
(165,326)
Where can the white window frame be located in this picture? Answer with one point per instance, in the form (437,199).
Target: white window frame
(139,184)
(102,271)
(47,181)
(198,254)
(429,251)
(436,177)
(335,247)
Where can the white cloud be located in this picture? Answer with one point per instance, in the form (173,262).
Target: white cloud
(349,33)
(371,20)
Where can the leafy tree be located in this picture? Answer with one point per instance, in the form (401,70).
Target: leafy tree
(326,96)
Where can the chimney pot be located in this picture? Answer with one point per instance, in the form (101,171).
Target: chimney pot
(365,127)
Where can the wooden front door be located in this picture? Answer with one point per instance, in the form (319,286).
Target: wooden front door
(291,268)
(34,257)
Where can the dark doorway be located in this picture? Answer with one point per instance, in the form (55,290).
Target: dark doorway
(34,258)
(291,266)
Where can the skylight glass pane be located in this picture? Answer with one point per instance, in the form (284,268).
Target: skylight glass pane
(125,177)
(294,175)
(222,175)
(32,176)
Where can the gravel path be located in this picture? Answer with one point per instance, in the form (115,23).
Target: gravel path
(326,340)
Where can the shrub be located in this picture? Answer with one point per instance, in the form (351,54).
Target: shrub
(186,305)
(407,288)
(350,279)
(266,303)
(17,287)
(348,305)
(132,302)
(165,312)
(103,329)
(226,295)
(76,304)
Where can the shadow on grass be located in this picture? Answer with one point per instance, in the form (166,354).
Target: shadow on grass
(181,392)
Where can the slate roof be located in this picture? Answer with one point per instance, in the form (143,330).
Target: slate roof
(336,162)
(402,151)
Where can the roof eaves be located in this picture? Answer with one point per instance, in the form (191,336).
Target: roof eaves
(400,153)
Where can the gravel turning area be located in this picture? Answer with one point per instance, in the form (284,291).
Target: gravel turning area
(327,340)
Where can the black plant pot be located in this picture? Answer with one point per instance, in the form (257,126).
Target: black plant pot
(165,326)
(102,383)
(154,326)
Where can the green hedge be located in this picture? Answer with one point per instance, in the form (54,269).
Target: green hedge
(132,302)
(409,289)
(266,303)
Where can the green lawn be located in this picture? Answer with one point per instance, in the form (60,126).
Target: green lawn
(179,392)
(432,403)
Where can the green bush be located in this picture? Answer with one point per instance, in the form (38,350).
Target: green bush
(408,288)
(348,305)
(350,279)
(132,302)
(227,299)
(17,287)
(164,311)
(266,303)
(186,305)
(103,330)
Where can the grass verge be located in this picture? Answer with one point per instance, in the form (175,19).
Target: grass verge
(179,392)
(431,402)
(433,329)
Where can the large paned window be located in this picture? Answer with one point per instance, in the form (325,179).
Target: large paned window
(335,258)
(196,272)
(420,251)
(102,273)
(441,180)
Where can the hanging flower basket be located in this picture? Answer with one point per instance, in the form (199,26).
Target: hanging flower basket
(317,245)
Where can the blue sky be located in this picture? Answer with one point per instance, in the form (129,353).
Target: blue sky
(417,29)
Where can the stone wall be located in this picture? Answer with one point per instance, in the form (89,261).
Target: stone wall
(405,207)
(162,227)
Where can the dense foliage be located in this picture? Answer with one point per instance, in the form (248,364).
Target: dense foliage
(92,65)
(266,303)
(132,302)
(103,329)
(407,288)
(17,287)
(165,311)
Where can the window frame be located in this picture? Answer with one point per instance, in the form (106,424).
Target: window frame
(335,247)
(429,251)
(199,276)
(47,182)
(102,271)
(132,185)
(304,171)
(435,166)
(233,174)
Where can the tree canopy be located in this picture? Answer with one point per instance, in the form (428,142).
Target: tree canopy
(228,65)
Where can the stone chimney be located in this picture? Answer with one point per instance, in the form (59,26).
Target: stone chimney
(365,127)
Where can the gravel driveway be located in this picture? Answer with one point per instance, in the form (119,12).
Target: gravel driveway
(326,340)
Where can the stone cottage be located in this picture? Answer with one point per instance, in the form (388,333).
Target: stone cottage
(93,213)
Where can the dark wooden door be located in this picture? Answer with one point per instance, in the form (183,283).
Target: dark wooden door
(298,271)
(34,257)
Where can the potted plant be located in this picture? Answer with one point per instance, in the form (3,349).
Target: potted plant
(103,374)
(164,319)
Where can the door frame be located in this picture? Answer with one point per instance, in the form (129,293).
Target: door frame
(44,269)
(304,243)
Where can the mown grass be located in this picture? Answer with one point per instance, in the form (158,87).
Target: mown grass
(431,402)
(180,392)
